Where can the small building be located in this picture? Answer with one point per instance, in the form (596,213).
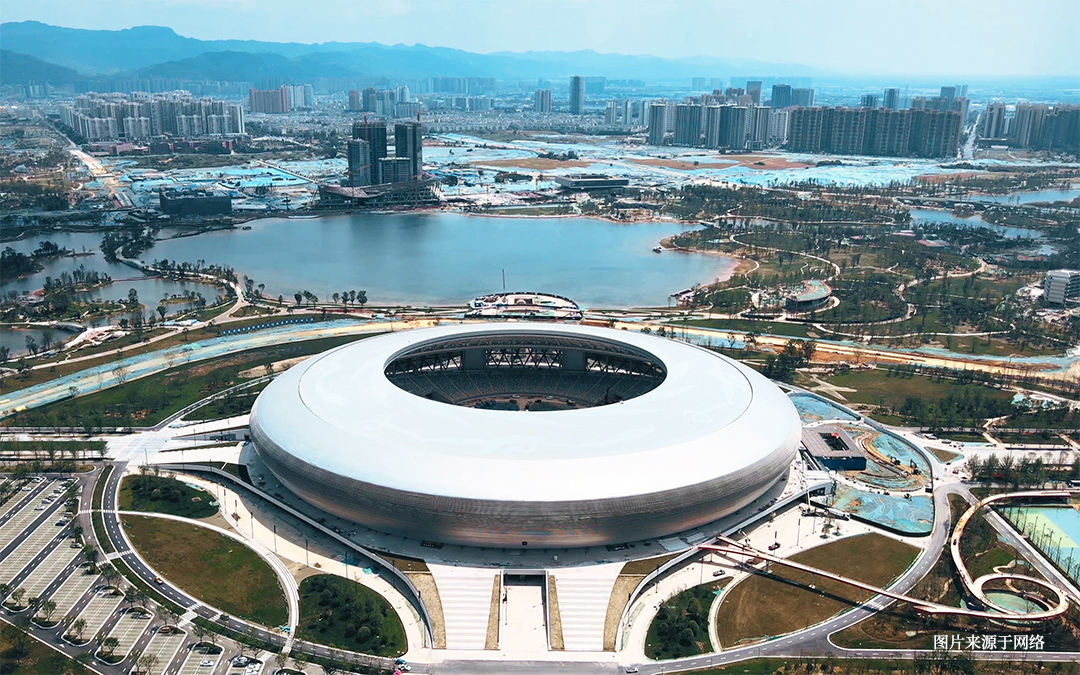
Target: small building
(812,295)
(591,181)
(194,202)
(834,448)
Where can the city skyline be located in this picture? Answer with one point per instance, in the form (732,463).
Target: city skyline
(930,36)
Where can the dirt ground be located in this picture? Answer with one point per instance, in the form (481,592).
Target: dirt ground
(538,163)
(768,162)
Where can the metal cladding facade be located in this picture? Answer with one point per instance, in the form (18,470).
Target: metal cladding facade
(704,442)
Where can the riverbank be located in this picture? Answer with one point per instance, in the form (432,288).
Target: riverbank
(742,267)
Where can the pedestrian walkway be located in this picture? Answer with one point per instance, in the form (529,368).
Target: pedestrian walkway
(584,593)
(466,602)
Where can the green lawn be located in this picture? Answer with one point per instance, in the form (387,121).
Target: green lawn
(228,406)
(149,400)
(216,569)
(747,325)
(681,626)
(19,653)
(160,494)
(763,606)
(342,613)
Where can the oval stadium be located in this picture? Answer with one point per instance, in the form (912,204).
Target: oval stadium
(510,435)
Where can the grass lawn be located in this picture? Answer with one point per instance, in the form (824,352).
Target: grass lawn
(681,627)
(160,494)
(342,613)
(962,436)
(149,400)
(763,606)
(876,387)
(240,582)
(945,456)
(23,654)
(232,405)
(747,325)
(1012,437)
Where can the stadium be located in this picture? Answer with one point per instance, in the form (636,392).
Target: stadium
(511,435)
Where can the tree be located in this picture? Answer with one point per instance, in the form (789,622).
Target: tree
(298,296)
(4,590)
(133,297)
(300,661)
(280,659)
(48,608)
(17,596)
(91,553)
(109,645)
(361,297)
(146,662)
(162,310)
(78,627)
(170,616)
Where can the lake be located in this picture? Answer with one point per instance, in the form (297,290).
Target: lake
(450,258)
(939,217)
(124,277)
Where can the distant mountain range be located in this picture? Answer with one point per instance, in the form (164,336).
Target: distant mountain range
(16,67)
(155,51)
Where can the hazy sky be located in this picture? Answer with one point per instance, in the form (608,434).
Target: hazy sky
(916,37)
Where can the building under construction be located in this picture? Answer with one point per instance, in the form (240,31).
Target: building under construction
(423,192)
(374,178)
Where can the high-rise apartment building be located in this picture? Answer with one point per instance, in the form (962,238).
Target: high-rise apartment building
(269,101)
(1060,286)
(757,133)
(869,101)
(658,121)
(688,125)
(699,84)
(734,125)
(892,98)
(1029,124)
(542,101)
(372,132)
(409,144)
(993,121)
(711,126)
(803,96)
(359,157)
(611,112)
(577,95)
(778,127)
(781,96)
(356,103)
(753,88)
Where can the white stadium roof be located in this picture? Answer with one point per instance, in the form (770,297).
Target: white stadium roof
(709,417)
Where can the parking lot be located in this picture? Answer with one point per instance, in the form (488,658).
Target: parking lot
(46,572)
(193,663)
(129,629)
(164,646)
(72,590)
(98,611)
